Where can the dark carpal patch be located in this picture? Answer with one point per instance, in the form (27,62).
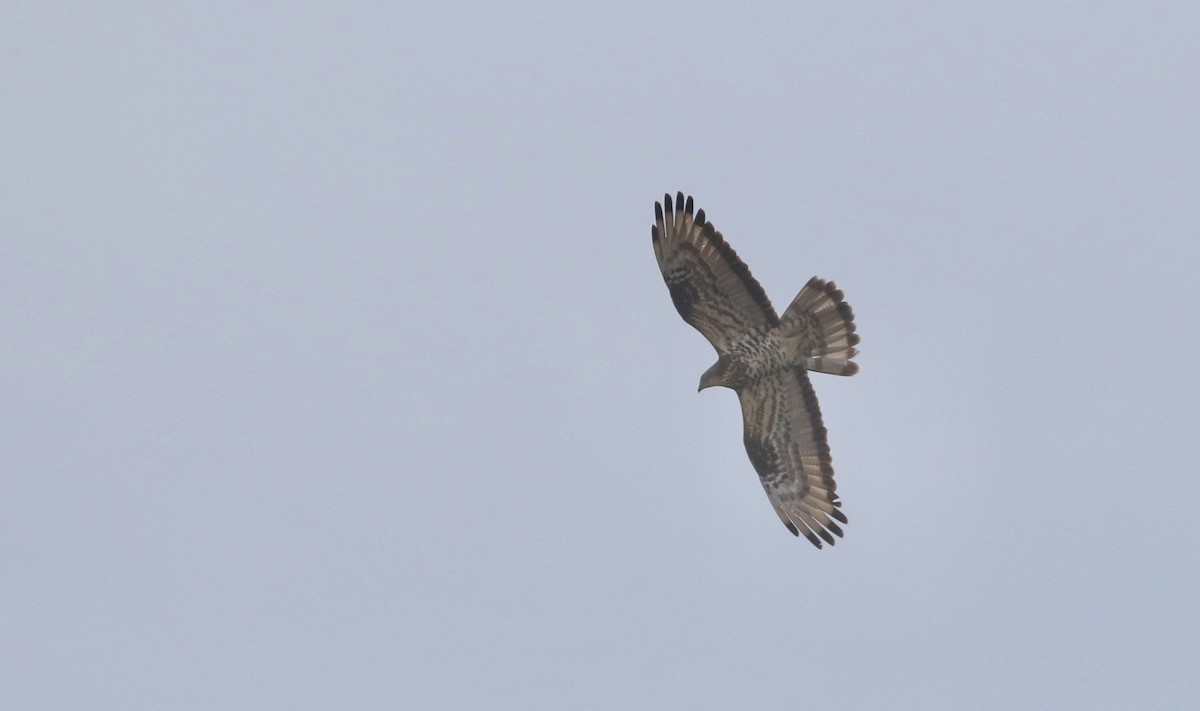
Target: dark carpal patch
(764,458)
(684,295)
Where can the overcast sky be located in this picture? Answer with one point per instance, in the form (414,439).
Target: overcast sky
(338,372)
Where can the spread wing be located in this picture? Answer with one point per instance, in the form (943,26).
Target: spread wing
(785,439)
(712,289)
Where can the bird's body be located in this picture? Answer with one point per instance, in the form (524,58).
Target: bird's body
(765,358)
(748,361)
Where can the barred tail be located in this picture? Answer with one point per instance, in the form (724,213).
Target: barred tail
(818,327)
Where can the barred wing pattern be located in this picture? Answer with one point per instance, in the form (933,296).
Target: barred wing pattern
(784,435)
(712,289)
(785,440)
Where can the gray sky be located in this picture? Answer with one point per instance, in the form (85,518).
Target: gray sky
(339,372)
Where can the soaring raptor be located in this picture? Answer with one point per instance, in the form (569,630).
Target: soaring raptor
(765,358)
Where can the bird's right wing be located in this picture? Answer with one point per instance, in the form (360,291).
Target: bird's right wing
(786,441)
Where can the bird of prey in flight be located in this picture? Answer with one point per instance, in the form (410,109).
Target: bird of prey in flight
(765,359)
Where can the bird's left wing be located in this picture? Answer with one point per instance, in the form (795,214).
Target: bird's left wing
(711,287)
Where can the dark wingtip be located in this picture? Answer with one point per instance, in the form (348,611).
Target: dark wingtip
(700,219)
(658,212)
(688,209)
(679,199)
(797,529)
(667,202)
(653,233)
(837,513)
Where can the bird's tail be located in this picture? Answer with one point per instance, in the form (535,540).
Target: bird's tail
(818,327)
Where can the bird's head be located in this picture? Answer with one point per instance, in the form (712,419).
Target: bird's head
(717,375)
